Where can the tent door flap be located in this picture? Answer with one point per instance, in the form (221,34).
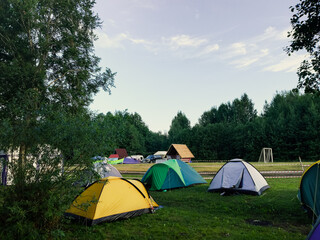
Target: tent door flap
(233,179)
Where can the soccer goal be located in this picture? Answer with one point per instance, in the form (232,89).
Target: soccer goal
(266,155)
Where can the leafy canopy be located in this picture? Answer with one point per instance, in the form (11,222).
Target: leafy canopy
(305,35)
(49,74)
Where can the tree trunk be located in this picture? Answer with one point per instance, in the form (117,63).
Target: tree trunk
(21,166)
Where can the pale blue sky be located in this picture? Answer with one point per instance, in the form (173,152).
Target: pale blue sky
(191,55)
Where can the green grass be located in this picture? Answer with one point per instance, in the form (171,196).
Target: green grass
(193,213)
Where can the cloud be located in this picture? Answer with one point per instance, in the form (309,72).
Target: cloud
(118,41)
(269,33)
(183,46)
(262,51)
(187,47)
(179,41)
(139,41)
(211,48)
(105,41)
(287,64)
(272,34)
(235,50)
(238,48)
(251,59)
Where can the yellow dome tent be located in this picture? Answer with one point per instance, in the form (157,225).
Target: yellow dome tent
(110,199)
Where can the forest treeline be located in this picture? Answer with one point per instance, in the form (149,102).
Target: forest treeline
(289,125)
(49,76)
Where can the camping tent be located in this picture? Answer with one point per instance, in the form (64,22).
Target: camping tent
(309,190)
(100,169)
(105,170)
(171,174)
(110,199)
(115,156)
(315,232)
(238,176)
(179,151)
(114,161)
(129,160)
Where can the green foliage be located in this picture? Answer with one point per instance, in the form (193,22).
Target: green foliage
(289,125)
(125,130)
(49,74)
(292,122)
(239,111)
(34,210)
(225,132)
(156,142)
(305,34)
(179,125)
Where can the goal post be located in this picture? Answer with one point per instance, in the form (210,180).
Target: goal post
(266,155)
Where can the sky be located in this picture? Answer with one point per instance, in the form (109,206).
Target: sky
(192,55)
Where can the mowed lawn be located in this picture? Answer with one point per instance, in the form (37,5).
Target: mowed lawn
(215,166)
(193,213)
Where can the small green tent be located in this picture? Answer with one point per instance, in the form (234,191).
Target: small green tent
(171,174)
(309,190)
(115,161)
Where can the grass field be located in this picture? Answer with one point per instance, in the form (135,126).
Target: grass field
(213,167)
(193,213)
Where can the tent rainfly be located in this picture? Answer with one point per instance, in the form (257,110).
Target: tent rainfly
(238,176)
(129,160)
(179,151)
(171,174)
(99,169)
(309,190)
(110,199)
(114,161)
(105,170)
(315,232)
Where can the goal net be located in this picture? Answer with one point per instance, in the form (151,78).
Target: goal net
(266,155)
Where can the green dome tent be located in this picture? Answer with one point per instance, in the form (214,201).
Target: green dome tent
(171,174)
(309,190)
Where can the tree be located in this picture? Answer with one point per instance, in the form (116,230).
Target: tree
(179,123)
(306,36)
(291,126)
(156,142)
(47,61)
(243,110)
(126,130)
(209,117)
(48,69)
(239,111)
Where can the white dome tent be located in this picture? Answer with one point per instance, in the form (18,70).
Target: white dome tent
(238,176)
(100,169)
